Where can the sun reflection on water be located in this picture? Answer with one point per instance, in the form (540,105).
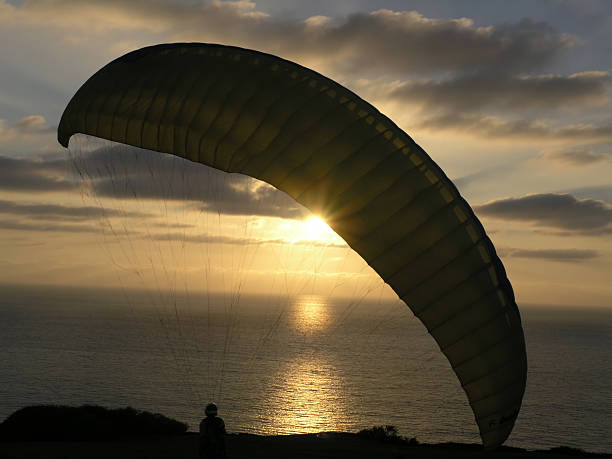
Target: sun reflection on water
(310,314)
(307,391)
(307,395)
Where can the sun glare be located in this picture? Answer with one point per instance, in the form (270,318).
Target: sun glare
(316,229)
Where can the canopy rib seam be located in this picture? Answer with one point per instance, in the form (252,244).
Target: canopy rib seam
(145,115)
(194,83)
(394,244)
(111,113)
(133,110)
(504,388)
(360,149)
(446,292)
(415,230)
(423,252)
(437,271)
(260,71)
(325,144)
(371,199)
(498,407)
(312,127)
(288,120)
(266,113)
(462,310)
(261,122)
(216,82)
(374,166)
(405,205)
(477,328)
(503,339)
(464,307)
(235,84)
(175,77)
(489,373)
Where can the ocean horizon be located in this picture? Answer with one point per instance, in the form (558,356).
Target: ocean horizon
(281,365)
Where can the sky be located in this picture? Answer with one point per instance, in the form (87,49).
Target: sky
(511,99)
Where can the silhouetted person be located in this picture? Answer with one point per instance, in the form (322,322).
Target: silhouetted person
(212,435)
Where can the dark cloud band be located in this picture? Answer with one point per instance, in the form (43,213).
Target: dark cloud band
(559,211)
(60,212)
(497,128)
(32,175)
(214,239)
(559,255)
(578,157)
(516,93)
(396,42)
(129,173)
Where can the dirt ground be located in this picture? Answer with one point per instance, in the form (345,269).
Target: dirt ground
(239,446)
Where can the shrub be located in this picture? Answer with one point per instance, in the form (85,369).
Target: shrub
(386,434)
(568,451)
(87,422)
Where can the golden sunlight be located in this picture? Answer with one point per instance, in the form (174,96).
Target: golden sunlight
(314,228)
(310,313)
(308,395)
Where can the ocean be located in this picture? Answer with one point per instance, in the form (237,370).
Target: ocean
(292,365)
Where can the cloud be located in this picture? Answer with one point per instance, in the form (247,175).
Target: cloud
(125,172)
(61,212)
(27,126)
(32,123)
(473,92)
(48,227)
(482,66)
(130,173)
(397,42)
(577,157)
(495,127)
(19,174)
(560,255)
(602,192)
(406,42)
(493,173)
(214,239)
(122,232)
(559,211)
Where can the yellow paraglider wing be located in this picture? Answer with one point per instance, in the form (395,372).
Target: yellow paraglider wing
(248,112)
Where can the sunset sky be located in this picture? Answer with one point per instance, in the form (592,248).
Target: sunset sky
(511,99)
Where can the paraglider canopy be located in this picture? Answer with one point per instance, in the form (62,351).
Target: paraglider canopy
(247,112)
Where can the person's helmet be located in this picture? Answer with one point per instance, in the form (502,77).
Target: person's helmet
(211,409)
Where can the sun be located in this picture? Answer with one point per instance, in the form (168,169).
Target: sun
(314,228)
